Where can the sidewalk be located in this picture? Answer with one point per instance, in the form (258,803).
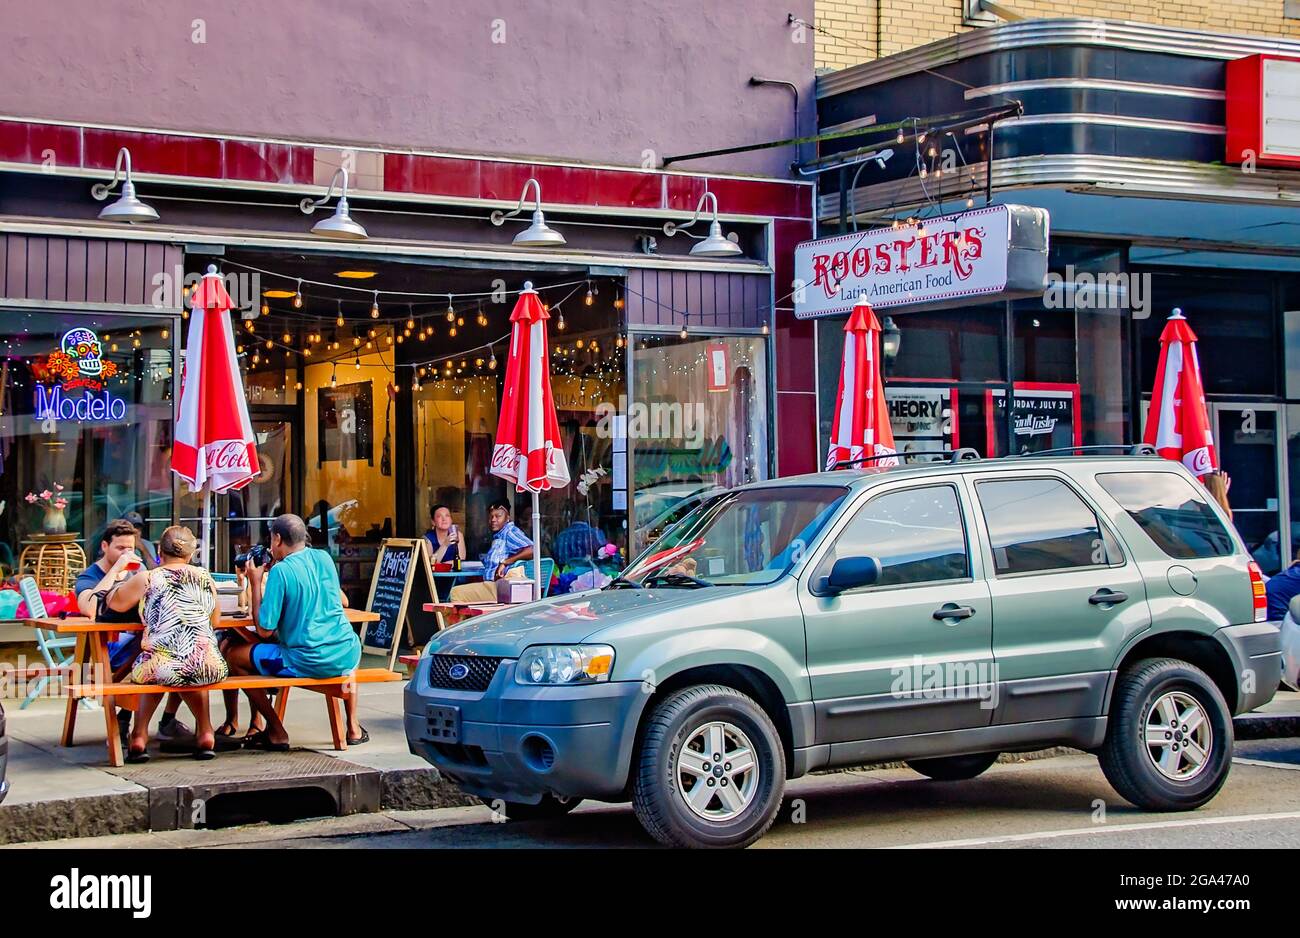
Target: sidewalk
(72,792)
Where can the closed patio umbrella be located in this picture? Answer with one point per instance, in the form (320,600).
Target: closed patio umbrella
(861,428)
(214,450)
(528,451)
(1178,423)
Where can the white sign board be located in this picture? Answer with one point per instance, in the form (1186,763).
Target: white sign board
(935,260)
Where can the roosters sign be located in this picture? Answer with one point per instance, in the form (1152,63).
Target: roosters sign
(938,261)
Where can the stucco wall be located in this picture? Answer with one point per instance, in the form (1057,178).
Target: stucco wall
(593,80)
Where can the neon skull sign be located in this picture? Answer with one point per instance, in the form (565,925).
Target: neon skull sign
(83,348)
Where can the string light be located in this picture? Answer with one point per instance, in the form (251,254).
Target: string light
(339,321)
(297,296)
(482,317)
(266,308)
(334,376)
(410,318)
(618,299)
(374,307)
(286,338)
(492,362)
(270,344)
(358,363)
(589,299)
(559,323)
(451,312)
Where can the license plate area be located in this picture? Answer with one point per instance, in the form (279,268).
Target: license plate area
(443,724)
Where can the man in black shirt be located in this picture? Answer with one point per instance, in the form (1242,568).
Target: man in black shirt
(118,560)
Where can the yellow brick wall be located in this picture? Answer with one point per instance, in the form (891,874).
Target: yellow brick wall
(907,23)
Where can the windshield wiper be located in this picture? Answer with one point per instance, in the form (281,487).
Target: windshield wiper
(622,583)
(677,579)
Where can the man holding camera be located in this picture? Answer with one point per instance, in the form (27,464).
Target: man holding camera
(297,607)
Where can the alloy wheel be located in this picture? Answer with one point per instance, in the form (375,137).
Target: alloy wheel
(716,772)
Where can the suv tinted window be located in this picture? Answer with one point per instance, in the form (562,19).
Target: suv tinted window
(1171,512)
(1041,524)
(916,534)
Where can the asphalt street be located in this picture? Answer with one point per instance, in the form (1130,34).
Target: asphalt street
(1060,802)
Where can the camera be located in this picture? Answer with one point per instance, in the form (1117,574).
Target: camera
(260,553)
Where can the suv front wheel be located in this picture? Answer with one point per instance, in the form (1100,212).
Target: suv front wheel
(711,772)
(1169,741)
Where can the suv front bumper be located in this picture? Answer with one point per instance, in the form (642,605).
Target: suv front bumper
(519,743)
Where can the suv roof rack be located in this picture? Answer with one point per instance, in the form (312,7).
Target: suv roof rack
(1129,449)
(961,454)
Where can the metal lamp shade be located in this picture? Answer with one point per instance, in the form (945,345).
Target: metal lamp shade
(340,225)
(539,234)
(128,208)
(715,245)
(891,339)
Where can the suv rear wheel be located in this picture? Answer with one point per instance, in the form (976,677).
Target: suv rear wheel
(953,768)
(1169,742)
(711,772)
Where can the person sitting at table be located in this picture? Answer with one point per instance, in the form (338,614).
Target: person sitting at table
(179,608)
(116,552)
(445,542)
(143,545)
(302,630)
(509,545)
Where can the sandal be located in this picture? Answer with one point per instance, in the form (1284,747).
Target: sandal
(137,756)
(228,728)
(363,738)
(205,755)
(263,742)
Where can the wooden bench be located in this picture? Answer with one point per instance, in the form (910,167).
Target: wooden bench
(334,689)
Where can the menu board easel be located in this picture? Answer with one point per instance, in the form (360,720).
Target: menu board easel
(401,585)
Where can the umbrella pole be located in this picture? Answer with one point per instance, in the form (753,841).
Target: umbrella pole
(207,527)
(537,549)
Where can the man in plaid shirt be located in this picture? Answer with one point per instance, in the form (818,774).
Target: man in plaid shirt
(509,545)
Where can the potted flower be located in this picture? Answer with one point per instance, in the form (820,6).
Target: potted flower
(53,503)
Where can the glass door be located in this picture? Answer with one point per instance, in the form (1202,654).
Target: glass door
(1247,437)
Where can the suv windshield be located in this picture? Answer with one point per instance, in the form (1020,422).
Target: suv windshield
(747,537)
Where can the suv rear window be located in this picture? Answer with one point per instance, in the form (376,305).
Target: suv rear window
(1171,512)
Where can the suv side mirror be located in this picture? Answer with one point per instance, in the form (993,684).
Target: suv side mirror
(849,573)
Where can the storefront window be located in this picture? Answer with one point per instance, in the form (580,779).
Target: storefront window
(698,420)
(86,414)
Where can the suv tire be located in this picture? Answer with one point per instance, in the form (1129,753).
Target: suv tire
(953,768)
(548,807)
(1146,756)
(683,797)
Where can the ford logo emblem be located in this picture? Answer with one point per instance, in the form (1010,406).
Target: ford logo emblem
(458,672)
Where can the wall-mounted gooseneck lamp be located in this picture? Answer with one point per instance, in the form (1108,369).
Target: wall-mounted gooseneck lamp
(714,244)
(128,208)
(340,226)
(538,234)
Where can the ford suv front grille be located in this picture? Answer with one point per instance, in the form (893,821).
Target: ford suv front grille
(462,672)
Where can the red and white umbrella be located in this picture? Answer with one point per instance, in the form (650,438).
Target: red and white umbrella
(214,447)
(861,425)
(1178,423)
(528,450)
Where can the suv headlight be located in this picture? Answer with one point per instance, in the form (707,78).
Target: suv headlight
(564,664)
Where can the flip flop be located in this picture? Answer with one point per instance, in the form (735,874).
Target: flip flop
(363,738)
(205,755)
(228,725)
(134,757)
(263,742)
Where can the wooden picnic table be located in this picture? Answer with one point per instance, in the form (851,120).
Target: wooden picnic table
(92,651)
(455,613)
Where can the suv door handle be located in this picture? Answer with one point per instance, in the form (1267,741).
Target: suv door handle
(1107,597)
(953,611)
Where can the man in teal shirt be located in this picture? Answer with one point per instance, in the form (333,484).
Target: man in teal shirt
(298,613)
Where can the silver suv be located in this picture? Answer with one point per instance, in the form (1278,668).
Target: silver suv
(939,614)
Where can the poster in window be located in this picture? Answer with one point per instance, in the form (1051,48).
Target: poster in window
(345,421)
(1044,416)
(923,419)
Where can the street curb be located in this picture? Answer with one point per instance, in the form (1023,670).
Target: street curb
(130,812)
(1266,725)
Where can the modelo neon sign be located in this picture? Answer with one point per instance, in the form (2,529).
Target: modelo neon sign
(52,405)
(80,364)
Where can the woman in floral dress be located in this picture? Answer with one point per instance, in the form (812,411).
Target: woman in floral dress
(179,609)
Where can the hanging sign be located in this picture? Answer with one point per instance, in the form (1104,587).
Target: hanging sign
(78,366)
(999,252)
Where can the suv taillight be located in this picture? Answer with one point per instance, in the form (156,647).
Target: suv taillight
(1258,593)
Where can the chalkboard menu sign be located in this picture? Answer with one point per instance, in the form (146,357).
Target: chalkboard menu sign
(402,583)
